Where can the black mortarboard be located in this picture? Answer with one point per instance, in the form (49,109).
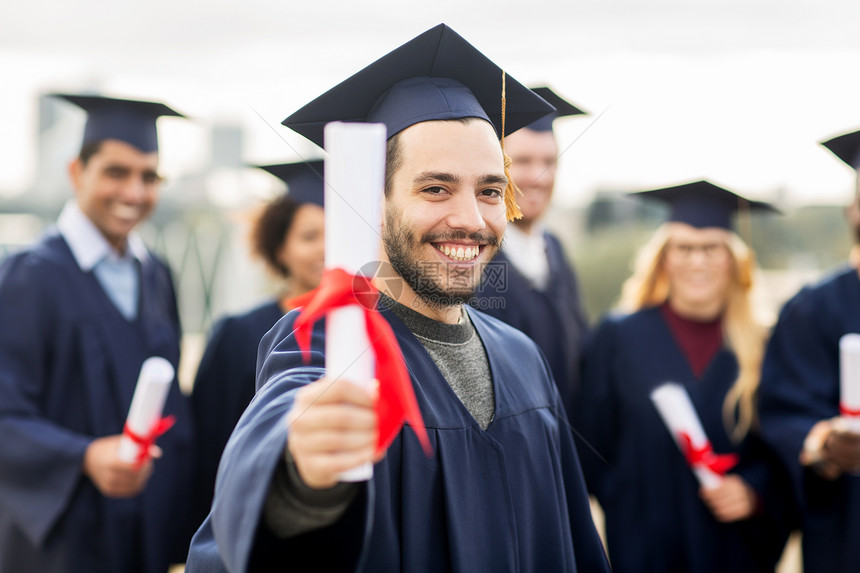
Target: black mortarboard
(703,204)
(435,76)
(304,180)
(562,107)
(130,121)
(846,147)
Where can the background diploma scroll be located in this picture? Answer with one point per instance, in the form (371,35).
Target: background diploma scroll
(354,181)
(677,411)
(153,383)
(849,381)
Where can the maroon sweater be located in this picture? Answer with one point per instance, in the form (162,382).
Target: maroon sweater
(699,341)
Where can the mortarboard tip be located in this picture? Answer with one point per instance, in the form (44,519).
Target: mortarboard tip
(846,147)
(304,179)
(131,121)
(703,204)
(563,108)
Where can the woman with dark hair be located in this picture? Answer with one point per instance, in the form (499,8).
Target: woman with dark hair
(288,236)
(686,317)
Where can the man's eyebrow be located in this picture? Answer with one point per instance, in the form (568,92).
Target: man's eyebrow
(444,177)
(493,180)
(430,176)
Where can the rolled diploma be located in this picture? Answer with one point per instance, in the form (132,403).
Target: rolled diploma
(849,380)
(153,383)
(355,178)
(674,405)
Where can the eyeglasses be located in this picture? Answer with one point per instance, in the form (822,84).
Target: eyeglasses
(711,252)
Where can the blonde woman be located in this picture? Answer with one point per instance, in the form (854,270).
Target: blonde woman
(687,319)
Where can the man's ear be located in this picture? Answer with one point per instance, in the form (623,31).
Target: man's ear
(76,173)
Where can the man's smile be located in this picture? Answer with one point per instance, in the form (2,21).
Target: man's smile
(459,252)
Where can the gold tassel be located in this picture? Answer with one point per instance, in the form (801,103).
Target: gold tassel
(512,210)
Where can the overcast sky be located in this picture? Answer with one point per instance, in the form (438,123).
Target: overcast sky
(738,92)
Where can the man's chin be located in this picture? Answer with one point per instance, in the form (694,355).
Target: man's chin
(116,234)
(120,228)
(443,299)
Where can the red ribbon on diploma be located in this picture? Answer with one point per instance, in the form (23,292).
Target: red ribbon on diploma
(145,441)
(396,401)
(705,456)
(848,412)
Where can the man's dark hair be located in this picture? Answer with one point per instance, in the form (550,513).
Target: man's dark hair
(88,150)
(393,158)
(270,229)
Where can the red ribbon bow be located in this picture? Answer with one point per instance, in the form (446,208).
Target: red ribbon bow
(848,412)
(705,456)
(396,401)
(147,440)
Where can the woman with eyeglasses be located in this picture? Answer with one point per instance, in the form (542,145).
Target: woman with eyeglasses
(686,317)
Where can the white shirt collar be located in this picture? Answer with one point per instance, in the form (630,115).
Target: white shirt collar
(87,243)
(536,232)
(527,252)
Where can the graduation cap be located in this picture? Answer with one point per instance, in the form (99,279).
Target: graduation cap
(127,120)
(305,183)
(703,204)
(846,147)
(563,108)
(436,76)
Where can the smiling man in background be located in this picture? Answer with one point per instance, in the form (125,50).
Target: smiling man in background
(531,285)
(80,311)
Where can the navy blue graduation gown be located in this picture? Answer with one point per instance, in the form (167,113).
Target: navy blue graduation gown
(224,386)
(800,386)
(553,317)
(655,519)
(511,498)
(68,367)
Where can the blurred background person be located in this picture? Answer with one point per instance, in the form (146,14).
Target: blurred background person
(689,320)
(80,311)
(531,284)
(800,402)
(287,235)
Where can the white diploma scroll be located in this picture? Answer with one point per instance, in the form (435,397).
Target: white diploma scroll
(674,405)
(354,181)
(147,404)
(849,380)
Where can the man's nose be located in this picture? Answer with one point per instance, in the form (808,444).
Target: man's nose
(134,189)
(466,214)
